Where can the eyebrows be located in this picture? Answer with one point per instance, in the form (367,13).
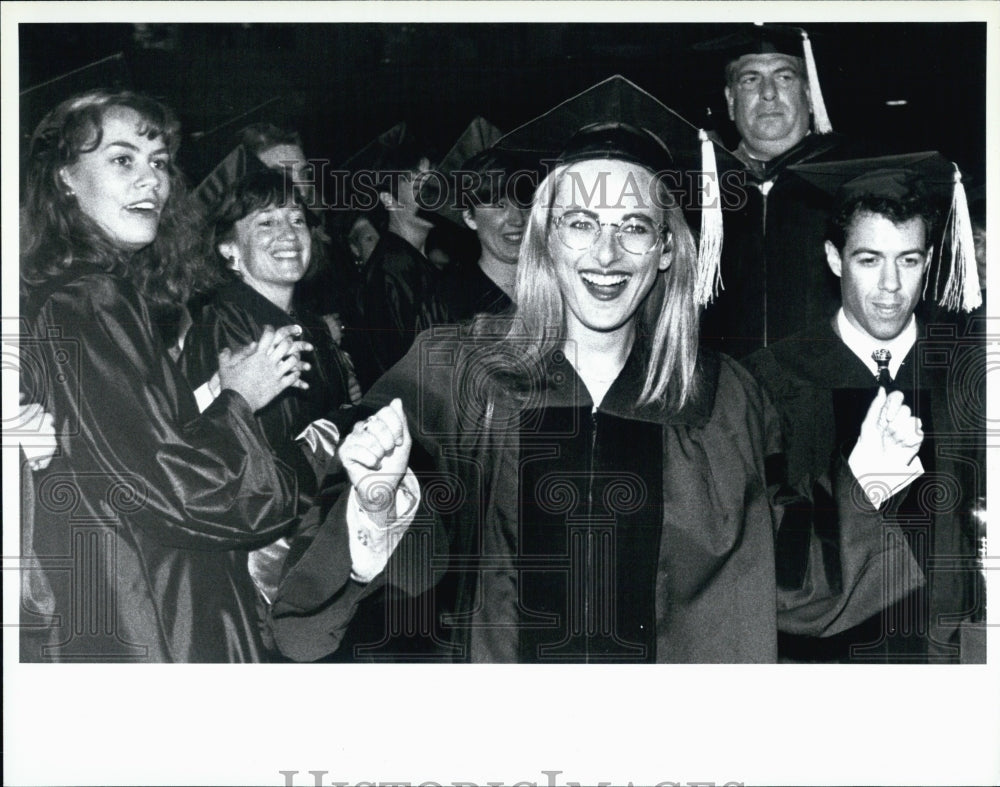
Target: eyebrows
(121,143)
(866,252)
(639,213)
(759,68)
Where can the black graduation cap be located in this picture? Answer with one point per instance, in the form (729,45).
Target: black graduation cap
(897,177)
(208,195)
(473,167)
(109,73)
(393,150)
(382,152)
(479,135)
(766,39)
(755,39)
(438,193)
(618,119)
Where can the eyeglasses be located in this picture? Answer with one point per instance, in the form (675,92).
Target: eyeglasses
(579,230)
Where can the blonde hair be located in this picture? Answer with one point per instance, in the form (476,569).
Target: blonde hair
(667,320)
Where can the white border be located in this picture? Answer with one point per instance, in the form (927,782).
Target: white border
(138,724)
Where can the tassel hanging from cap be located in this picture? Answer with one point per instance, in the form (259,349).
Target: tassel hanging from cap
(821,121)
(962,289)
(709,280)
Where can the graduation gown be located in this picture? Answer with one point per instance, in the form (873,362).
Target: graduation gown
(910,611)
(235,317)
(621,534)
(397,302)
(144,518)
(468,292)
(774,272)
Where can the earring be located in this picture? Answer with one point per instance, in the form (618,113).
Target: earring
(69,193)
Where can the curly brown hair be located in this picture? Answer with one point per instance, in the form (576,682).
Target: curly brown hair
(57,235)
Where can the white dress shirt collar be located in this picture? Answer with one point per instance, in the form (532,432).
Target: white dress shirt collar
(863,345)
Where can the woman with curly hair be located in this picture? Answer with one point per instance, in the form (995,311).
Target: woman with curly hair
(144,518)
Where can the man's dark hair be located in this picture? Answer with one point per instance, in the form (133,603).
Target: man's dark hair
(405,159)
(916,204)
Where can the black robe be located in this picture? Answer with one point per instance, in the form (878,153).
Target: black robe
(144,518)
(397,302)
(235,317)
(774,272)
(467,292)
(625,534)
(823,391)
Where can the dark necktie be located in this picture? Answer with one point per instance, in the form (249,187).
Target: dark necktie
(882,376)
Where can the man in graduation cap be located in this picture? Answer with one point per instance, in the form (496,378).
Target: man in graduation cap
(773,273)
(872,396)
(397,280)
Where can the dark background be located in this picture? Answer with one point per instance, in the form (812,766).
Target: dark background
(341,84)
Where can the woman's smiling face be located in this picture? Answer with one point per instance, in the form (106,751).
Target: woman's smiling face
(603,285)
(271,248)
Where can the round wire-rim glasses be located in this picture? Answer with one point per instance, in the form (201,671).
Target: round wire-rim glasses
(579,230)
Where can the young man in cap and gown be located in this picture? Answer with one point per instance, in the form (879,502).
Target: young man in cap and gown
(874,373)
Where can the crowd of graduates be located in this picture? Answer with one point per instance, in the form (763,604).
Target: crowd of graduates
(593,390)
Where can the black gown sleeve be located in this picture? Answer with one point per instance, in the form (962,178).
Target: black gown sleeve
(317,598)
(839,560)
(196,481)
(212,330)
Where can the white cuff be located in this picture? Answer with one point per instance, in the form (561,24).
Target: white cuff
(205,394)
(371,545)
(881,483)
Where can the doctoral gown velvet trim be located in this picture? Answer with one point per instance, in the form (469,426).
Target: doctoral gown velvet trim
(689,512)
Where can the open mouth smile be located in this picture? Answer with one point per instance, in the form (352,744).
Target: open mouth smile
(604,286)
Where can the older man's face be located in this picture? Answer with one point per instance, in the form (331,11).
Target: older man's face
(768,100)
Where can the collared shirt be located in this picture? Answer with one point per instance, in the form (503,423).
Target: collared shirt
(863,345)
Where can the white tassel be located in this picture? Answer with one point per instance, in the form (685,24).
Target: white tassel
(709,280)
(821,121)
(961,289)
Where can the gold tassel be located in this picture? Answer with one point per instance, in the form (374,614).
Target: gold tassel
(709,279)
(961,290)
(821,121)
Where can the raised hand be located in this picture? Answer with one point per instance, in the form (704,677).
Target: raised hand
(265,368)
(375,455)
(890,431)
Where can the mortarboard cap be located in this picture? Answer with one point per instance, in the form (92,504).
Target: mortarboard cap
(437,193)
(479,135)
(474,170)
(208,195)
(394,150)
(380,152)
(755,39)
(765,39)
(618,119)
(898,178)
